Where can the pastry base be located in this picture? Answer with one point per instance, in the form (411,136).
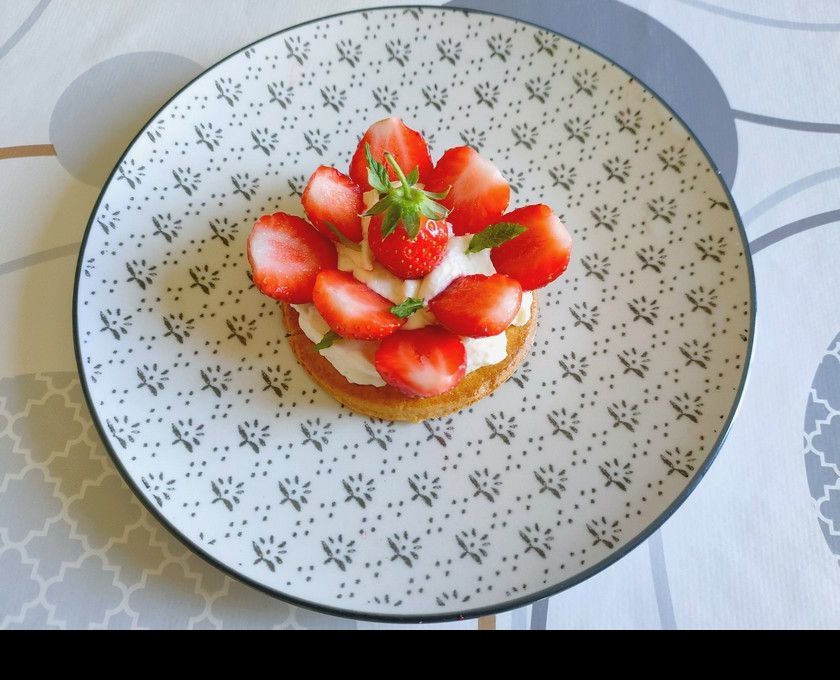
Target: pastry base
(388,403)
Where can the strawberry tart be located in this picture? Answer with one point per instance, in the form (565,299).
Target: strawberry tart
(408,293)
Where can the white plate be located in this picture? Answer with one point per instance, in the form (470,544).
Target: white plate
(633,379)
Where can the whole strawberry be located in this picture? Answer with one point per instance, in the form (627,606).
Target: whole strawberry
(408,231)
(410,258)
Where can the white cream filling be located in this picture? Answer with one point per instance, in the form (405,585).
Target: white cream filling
(485,351)
(456,263)
(377,278)
(523,316)
(354,358)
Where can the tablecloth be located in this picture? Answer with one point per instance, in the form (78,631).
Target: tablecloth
(756,545)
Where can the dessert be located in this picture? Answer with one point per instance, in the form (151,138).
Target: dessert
(408,293)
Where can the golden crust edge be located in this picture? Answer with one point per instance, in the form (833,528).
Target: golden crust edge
(388,403)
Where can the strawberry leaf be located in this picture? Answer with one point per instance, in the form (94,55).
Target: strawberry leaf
(495,235)
(411,223)
(377,173)
(432,210)
(407,307)
(405,202)
(392,219)
(379,206)
(329,338)
(437,195)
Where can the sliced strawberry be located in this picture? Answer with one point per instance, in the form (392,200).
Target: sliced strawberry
(352,309)
(422,362)
(478,305)
(286,254)
(391,134)
(406,258)
(539,255)
(479,193)
(333,202)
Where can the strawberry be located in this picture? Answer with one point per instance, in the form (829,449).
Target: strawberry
(352,309)
(423,362)
(286,254)
(333,203)
(391,134)
(479,194)
(538,255)
(407,258)
(478,305)
(412,251)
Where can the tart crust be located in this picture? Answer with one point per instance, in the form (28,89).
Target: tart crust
(390,404)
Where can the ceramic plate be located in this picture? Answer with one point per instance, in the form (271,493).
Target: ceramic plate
(633,378)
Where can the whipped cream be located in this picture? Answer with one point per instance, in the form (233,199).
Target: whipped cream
(523,316)
(457,262)
(375,276)
(354,358)
(485,351)
(493,349)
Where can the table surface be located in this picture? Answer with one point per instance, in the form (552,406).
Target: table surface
(756,545)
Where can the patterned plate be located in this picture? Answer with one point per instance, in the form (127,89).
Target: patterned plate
(637,366)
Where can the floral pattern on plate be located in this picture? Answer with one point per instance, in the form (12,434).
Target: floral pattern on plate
(634,373)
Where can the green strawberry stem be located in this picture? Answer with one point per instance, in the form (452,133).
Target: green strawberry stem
(393,163)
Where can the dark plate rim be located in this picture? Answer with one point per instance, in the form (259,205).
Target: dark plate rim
(450,615)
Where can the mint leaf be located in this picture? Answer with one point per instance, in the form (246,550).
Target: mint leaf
(342,239)
(495,235)
(407,307)
(329,338)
